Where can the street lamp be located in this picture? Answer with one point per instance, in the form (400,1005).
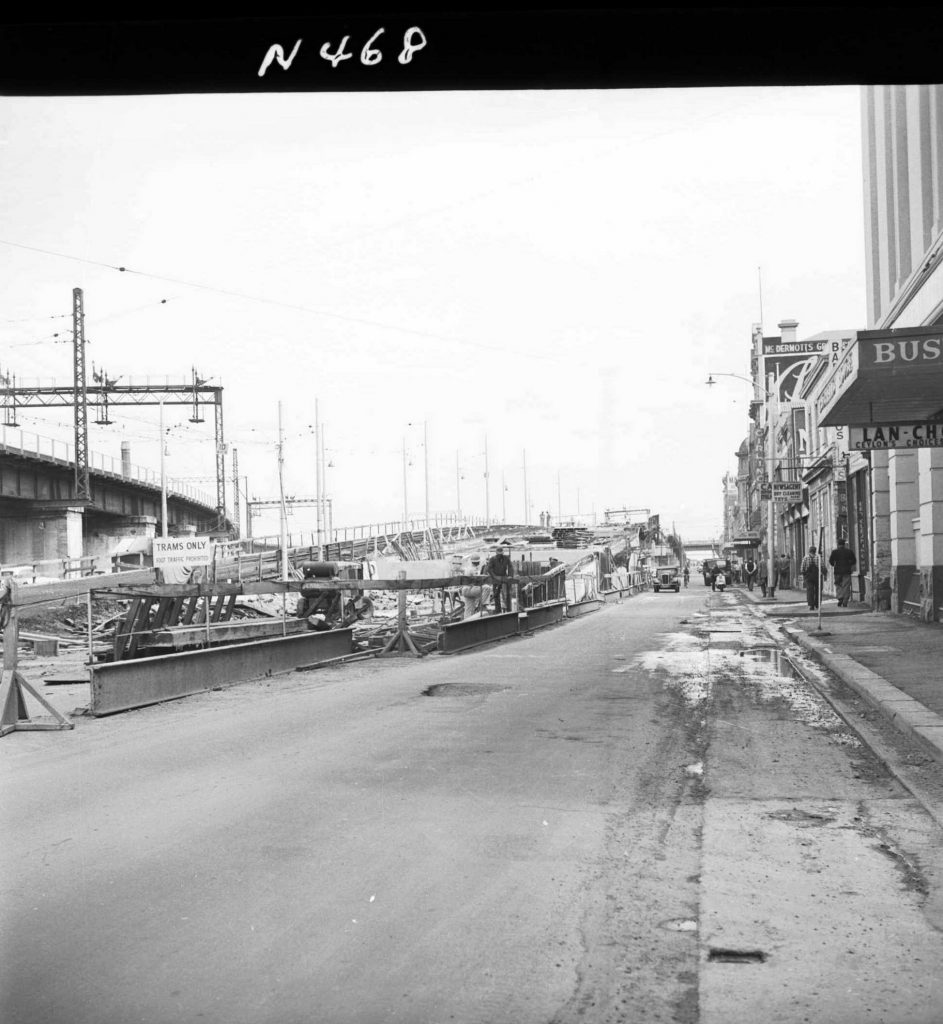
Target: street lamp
(771,456)
(425,449)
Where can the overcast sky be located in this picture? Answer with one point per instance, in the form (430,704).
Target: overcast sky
(555,271)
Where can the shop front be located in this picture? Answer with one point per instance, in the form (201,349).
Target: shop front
(887,389)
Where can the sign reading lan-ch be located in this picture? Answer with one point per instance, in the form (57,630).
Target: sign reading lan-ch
(877,436)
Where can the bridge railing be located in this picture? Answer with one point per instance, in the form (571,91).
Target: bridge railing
(57,568)
(27,442)
(442,527)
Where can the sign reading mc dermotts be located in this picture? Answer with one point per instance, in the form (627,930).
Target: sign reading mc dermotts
(877,436)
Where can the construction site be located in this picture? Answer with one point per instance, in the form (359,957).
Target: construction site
(114,642)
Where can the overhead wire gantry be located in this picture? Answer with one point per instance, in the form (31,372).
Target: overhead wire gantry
(104,393)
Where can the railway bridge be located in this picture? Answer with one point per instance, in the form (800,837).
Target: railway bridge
(41,519)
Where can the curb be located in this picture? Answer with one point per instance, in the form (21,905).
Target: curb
(912,718)
(916,721)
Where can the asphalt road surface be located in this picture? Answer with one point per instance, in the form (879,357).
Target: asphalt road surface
(635,816)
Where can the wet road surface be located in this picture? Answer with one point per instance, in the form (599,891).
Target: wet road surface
(619,819)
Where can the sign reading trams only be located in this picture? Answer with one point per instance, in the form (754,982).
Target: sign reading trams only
(895,435)
(182,551)
(787,490)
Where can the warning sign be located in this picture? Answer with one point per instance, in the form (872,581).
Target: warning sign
(174,551)
(183,559)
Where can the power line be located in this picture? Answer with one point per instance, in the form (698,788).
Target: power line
(276,302)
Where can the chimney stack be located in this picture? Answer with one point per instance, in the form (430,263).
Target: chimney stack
(126,459)
(787,330)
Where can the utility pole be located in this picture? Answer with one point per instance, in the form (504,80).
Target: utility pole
(405,499)
(281,494)
(325,501)
(237,517)
(318,517)
(504,491)
(559,501)
(220,463)
(458,486)
(771,452)
(80,397)
(163,476)
(526,503)
(425,448)
(487,487)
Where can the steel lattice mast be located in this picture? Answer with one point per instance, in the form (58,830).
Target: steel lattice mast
(80,397)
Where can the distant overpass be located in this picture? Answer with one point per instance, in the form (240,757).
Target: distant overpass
(41,519)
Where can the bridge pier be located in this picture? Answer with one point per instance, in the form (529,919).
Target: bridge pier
(42,534)
(103,533)
(42,521)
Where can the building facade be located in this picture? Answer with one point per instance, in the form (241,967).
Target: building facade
(887,391)
(846,438)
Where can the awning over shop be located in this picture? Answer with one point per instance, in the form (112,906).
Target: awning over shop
(888,376)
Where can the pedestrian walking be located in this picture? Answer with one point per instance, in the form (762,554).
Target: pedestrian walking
(811,566)
(687,575)
(498,569)
(750,570)
(782,570)
(763,573)
(843,561)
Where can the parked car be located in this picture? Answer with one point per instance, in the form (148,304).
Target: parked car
(666,577)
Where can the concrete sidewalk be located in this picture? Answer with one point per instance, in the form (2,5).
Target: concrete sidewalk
(893,662)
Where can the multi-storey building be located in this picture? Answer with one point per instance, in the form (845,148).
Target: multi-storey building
(885,392)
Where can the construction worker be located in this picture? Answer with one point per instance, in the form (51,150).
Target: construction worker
(475,595)
(498,570)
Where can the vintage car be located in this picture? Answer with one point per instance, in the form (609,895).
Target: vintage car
(666,577)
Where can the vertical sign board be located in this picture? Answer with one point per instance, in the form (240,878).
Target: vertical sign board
(183,559)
